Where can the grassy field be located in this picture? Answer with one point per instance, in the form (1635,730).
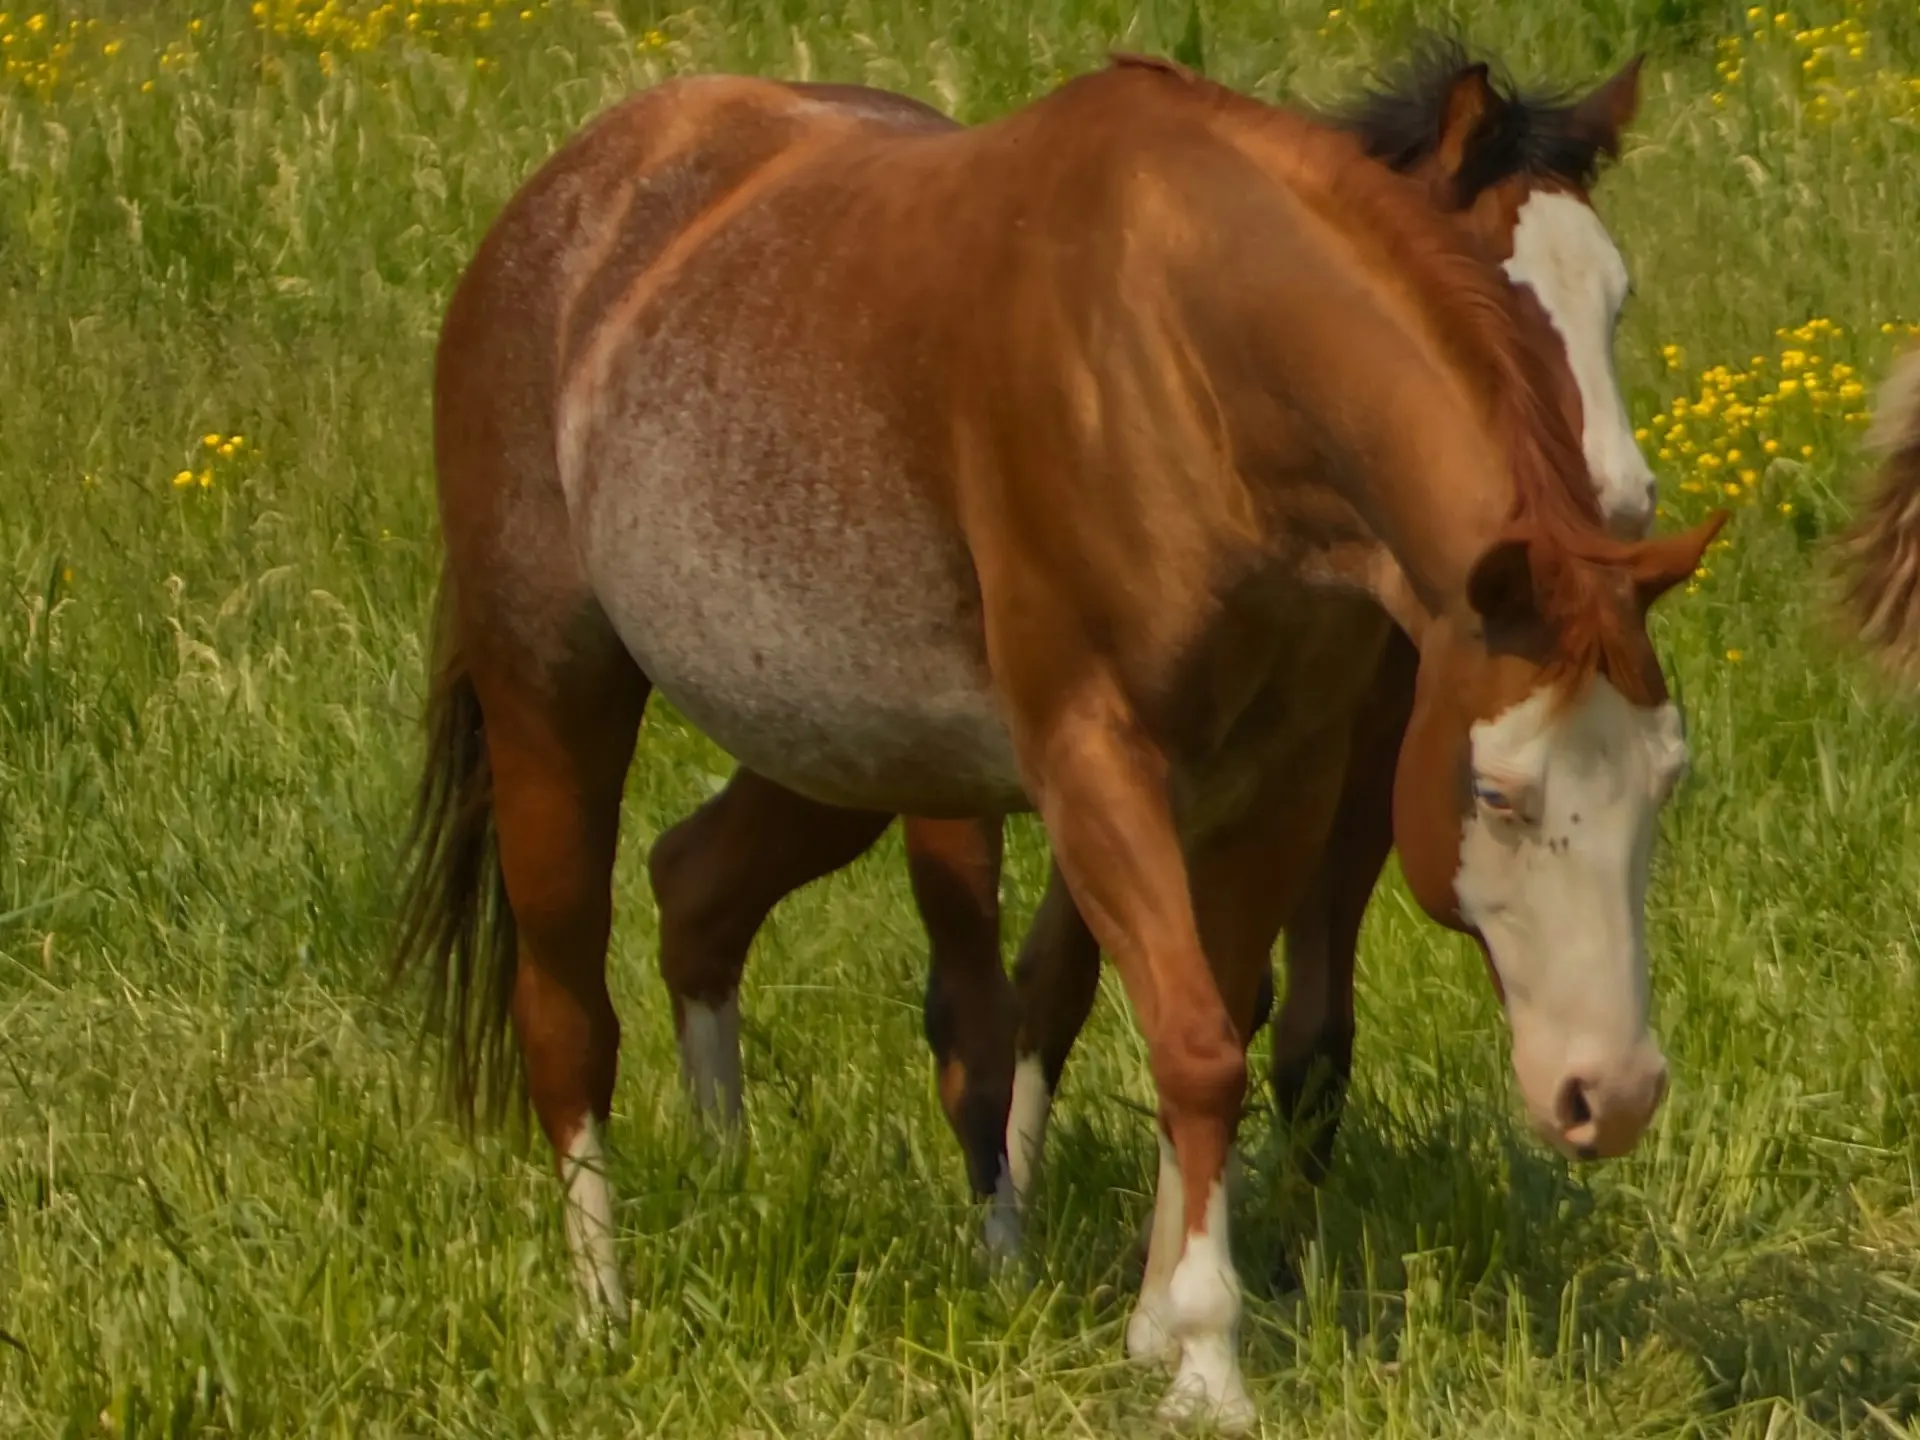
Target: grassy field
(227,1205)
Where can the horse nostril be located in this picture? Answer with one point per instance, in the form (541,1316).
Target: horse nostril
(1571,1107)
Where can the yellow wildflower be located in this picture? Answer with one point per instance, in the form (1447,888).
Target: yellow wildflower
(1786,507)
(183,477)
(1736,656)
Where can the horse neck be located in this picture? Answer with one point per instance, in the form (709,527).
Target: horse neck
(1398,415)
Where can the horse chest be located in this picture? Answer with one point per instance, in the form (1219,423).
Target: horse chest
(1303,701)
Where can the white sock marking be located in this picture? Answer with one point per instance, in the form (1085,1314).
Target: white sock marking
(1149,1339)
(596,1265)
(710,1057)
(1027,1123)
(1203,1306)
(1002,1225)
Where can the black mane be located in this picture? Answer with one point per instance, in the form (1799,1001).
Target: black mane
(1538,133)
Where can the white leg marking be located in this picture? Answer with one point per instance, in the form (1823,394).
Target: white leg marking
(710,1057)
(596,1266)
(1203,1301)
(1027,1123)
(1149,1336)
(1002,1225)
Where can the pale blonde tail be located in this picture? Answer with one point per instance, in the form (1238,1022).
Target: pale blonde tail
(1880,553)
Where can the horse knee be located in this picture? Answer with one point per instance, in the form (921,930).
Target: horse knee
(1199,1066)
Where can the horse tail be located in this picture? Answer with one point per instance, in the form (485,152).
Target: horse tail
(1880,552)
(455,923)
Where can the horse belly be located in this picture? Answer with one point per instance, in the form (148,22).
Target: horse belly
(784,585)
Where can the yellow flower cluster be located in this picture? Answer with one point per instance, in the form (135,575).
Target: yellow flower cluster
(1826,67)
(214,446)
(1751,429)
(36,51)
(357,25)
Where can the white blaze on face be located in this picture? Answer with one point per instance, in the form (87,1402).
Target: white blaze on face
(1564,255)
(1553,876)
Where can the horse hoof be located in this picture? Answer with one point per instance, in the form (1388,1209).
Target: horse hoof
(1000,1232)
(1209,1390)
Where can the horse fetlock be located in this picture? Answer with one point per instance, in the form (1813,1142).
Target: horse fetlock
(1027,1116)
(590,1231)
(1150,1340)
(710,1057)
(1001,1229)
(1203,1297)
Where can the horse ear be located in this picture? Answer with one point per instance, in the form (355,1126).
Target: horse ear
(1470,99)
(1500,588)
(1664,562)
(1609,109)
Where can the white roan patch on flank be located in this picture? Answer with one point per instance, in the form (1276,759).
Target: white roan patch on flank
(1563,253)
(1203,1313)
(710,1057)
(1553,875)
(1027,1123)
(596,1266)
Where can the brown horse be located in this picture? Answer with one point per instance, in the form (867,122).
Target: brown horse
(1516,169)
(1080,461)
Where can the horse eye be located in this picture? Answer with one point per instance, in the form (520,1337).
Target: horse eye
(1493,799)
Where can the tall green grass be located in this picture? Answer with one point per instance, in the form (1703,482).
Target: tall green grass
(226,1206)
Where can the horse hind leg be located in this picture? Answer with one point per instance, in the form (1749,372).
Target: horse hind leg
(716,877)
(531,733)
(970,1008)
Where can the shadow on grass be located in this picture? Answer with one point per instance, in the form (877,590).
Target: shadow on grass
(1477,1218)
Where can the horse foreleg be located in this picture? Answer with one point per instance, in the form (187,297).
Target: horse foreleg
(1312,1061)
(1101,787)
